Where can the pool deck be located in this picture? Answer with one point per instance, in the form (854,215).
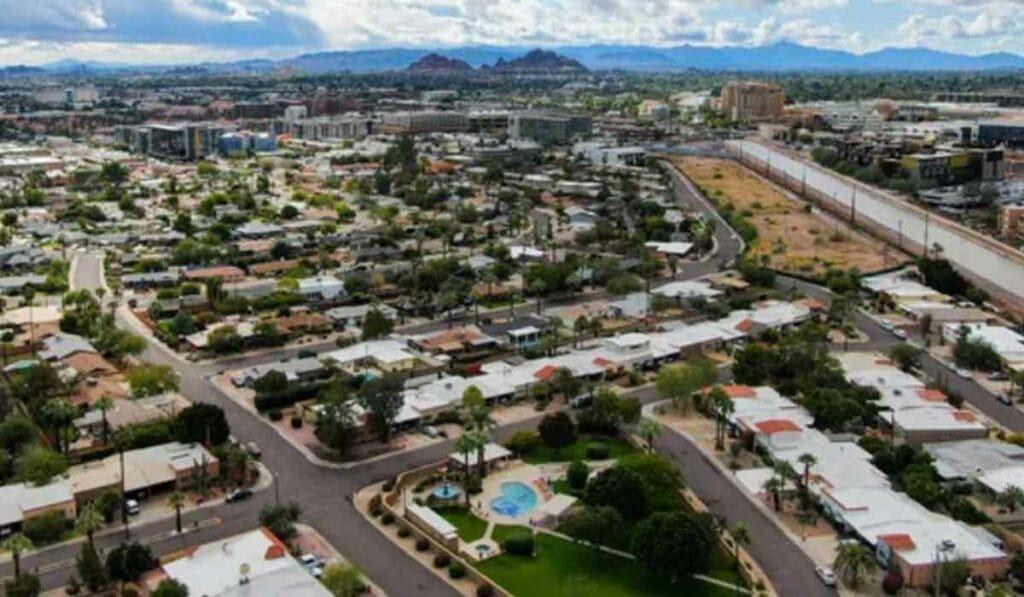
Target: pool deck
(537,477)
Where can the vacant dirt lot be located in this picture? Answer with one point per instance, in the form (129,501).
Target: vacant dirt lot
(790,236)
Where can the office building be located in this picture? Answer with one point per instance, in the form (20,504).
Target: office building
(752,101)
(547,127)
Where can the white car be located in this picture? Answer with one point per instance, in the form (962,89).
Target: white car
(964,373)
(132,507)
(309,559)
(886,325)
(826,575)
(899,334)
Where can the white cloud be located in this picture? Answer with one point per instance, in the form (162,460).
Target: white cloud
(919,28)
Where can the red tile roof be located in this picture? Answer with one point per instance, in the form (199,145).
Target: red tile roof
(546,372)
(740,391)
(772,426)
(931,395)
(277,549)
(898,541)
(812,304)
(746,325)
(965,416)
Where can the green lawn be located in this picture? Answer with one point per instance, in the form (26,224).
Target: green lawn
(617,448)
(501,531)
(561,568)
(470,526)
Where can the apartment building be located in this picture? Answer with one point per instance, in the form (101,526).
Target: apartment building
(752,101)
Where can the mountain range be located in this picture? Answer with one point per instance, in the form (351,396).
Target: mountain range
(779,57)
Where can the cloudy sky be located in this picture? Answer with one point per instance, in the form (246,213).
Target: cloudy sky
(169,31)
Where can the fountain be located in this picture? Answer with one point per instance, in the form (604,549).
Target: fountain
(447,491)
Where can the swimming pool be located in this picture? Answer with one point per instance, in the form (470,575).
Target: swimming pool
(516,499)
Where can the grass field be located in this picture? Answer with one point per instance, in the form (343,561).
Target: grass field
(470,527)
(564,568)
(578,451)
(792,238)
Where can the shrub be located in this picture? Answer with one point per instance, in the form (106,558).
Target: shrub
(577,475)
(519,543)
(388,485)
(404,532)
(523,442)
(275,414)
(456,570)
(296,422)
(376,511)
(48,528)
(484,590)
(422,544)
(597,451)
(441,560)
(375,502)
(387,518)
(892,582)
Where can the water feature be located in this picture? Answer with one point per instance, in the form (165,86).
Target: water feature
(446,491)
(516,499)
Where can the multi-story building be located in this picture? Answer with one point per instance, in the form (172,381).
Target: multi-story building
(752,101)
(185,142)
(1010,134)
(323,127)
(548,127)
(426,121)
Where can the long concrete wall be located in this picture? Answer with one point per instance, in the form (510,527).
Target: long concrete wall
(997,268)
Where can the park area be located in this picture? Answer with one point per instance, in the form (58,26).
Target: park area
(790,235)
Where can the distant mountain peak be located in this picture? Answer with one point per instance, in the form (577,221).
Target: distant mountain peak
(436,63)
(536,61)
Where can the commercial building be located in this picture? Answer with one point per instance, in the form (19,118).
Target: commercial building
(548,127)
(1009,133)
(426,121)
(752,101)
(324,127)
(179,142)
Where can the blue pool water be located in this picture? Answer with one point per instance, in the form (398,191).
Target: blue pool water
(516,499)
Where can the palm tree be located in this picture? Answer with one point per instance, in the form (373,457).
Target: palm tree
(537,287)
(481,425)
(649,429)
(852,562)
(105,403)
(177,501)
(90,520)
(465,445)
(17,544)
(784,472)
(723,407)
(808,460)
(773,487)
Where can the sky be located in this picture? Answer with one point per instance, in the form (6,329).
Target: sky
(189,31)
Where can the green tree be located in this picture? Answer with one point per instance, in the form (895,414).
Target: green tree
(169,587)
(649,430)
(176,501)
(382,397)
(280,520)
(337,425)
(90,520)
(852,562)
(905,356)
(1011,498)
(343,580)
(661,479)
(557,431)
(678,382)
(151,380)
(16,432)
(596,525)
(201,423)
(90,568)
(104,404)
(17,544)
(621,489)
(39,465)
(376,324)
(128,561)
(577,475)
(675,545)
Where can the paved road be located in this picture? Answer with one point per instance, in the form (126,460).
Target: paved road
(324,494)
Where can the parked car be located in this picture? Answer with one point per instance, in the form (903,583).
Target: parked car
(253,450)
(310,560)
(238,495)
(581,401)
(1004,398)
(964,373)
(899,334)
(886,325)
(998,376)
(431,431)
(132,507)
(307,354)
(826,575)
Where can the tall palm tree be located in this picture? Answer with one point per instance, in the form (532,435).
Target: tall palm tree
(17,544)
(105,403)
(177,501)
(649,429)
(90,520)
(723,406)
(538,287)
(466,445)
(808,460)
(773,487)
(852,562)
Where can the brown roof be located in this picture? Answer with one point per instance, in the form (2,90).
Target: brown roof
(772,426)
(301,321)
(271,267)
(222,271)
(90,363)
(898,541)
(91,390)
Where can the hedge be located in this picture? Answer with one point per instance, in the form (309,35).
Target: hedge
(519,544)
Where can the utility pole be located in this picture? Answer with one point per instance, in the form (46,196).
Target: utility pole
(927,221)
(124,498)
(853,208)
